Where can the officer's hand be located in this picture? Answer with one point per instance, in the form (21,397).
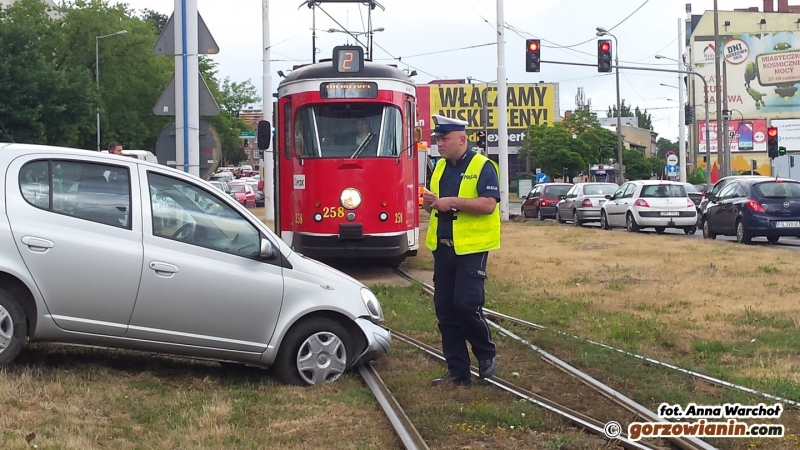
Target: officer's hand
(445,204)
(428,198)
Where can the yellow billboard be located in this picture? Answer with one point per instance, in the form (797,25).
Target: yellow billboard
(528,104)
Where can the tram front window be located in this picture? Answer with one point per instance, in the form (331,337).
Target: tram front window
(348,130)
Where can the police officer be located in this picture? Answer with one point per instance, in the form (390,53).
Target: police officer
(464,226)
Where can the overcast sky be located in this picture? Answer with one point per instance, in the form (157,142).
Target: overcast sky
(644,28)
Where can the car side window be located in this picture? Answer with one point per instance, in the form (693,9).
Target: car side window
(717,188)
(96,192)
(187,213)
(620,191)
(727,192)
(629,191)
(573,192)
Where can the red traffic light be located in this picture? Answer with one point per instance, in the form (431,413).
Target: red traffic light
(772,132)
(605,46)
(533,46)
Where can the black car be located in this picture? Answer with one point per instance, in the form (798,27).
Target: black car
(751,207)
(715,190)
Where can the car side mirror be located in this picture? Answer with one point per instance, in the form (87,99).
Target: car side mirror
(267,251)
(264,134)
(609,197)
(562,197)
(417,135)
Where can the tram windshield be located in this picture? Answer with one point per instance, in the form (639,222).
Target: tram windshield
(348,130)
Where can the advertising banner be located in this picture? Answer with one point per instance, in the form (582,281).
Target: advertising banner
(528,104)
(744,135)
(763,72)
(788,133)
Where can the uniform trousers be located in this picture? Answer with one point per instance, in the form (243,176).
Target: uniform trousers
(459,298)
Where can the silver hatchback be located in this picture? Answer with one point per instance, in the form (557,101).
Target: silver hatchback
(111,251)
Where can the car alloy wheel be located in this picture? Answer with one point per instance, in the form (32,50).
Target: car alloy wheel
(604,221)
(314,351)
(575,220)
(630,223)
(13,327)
(741,234)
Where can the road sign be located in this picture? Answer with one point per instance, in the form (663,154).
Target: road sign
(541,178)
(206,45)
(669,152)
(672,171)
(166,103)
(672,160)
(247,135)
(538,170)
(210,148)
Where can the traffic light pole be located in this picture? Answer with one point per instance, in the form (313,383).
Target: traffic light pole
(648,69)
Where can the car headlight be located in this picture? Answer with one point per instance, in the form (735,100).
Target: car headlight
(350,198)
(373,306)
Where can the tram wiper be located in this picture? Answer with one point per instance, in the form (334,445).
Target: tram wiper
(363,145)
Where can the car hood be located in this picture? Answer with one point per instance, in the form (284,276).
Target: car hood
(314,268)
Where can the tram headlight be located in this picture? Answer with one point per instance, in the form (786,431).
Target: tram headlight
(373,306)
(350,198)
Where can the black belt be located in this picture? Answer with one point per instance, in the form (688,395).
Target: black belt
(447,242)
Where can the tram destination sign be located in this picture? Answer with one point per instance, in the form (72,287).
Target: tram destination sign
(349,89)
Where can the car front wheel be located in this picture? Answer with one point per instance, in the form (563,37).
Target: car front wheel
(742,236)
(315,351)
(13,327)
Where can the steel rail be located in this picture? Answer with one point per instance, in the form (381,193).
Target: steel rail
(575,417)
(652,361)
(403,426)
(686,443)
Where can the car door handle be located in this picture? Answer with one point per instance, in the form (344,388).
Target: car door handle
(163,269)
(37,244)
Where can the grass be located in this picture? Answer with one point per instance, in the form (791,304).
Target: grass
(716,307)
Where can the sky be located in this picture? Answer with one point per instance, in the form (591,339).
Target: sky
(457,31)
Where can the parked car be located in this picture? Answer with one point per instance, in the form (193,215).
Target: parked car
(751,207)
(222,185)
(581,204)
(152,280)
(254,185)
(542,200)
(649,204)
(244,193)
(715,190)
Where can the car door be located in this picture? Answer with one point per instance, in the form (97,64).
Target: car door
(527,205)
(718,210)
(203,283)
(620,205)
(728,202)
(611,207)
(81,239)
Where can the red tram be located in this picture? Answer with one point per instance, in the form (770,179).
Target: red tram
(346,159)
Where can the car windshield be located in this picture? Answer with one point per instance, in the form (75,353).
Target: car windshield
(599,189)
(663,191)
(237,188)
(691,188)
(774,189)
(554,191)
(348,130)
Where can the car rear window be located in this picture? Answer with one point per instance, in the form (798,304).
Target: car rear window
(774,189)
(690,188)
(597,189)
(553,191)
(663,190)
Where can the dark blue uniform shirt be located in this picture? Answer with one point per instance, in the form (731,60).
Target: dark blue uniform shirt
(488,186)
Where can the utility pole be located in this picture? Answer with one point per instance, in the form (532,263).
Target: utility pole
(726,168)
(681,111)
(502,113)
(717,62)
(268,155)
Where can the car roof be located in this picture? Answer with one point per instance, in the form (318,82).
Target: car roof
(754,180)
(655,182)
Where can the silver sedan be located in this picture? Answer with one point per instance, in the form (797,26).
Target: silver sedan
(582,203)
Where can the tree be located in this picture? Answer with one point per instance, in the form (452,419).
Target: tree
(155,19)
(234,96)
(603,141)
(665,145)
(642,117)
(637,167)
(552,149)
(580,122)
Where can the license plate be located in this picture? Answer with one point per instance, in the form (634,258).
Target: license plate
(670,213)
(788,224)
(600,202)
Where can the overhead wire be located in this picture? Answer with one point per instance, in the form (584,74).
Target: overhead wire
(442,51)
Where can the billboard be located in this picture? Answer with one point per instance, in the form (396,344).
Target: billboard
(528,104)
(788,133)
(749,135)
(761,77)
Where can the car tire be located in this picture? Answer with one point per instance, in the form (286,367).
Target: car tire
(707,233)
(773,239)
(742,236)
(558,217)
(630,223)
(604,221)
(525,213)
(690,230)
(13,327)
(539,214)
(323,343)
(661,230)
(575,220)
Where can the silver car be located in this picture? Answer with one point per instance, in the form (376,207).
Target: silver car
(582,203)
(113,251)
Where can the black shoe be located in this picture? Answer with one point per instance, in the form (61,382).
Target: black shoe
(487,368)
(450,378)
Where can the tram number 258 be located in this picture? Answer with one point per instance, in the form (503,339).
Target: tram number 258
(332,212)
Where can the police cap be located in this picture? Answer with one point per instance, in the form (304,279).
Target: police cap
(445,125)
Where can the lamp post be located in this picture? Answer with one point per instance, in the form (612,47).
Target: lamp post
(360,33)
(681,114)
(97,74)
(603,32)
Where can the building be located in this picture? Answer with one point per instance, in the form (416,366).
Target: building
(53,14)
(633,137)
(252,116)
(757,82)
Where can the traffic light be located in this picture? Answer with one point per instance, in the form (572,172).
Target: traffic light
(781,151)
(689,116)
(532,55)
(604,55)
(772,142)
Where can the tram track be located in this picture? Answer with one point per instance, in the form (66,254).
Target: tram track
(590,424)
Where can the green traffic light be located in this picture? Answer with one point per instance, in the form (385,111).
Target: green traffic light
(781,151)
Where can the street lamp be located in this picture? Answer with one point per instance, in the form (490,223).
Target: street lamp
(97,74)
(603,32)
